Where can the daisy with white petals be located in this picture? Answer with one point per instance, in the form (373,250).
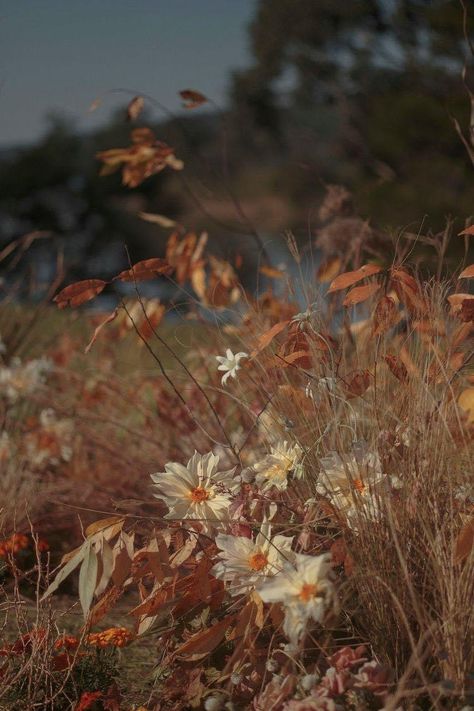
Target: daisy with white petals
(230,363)
(244,563)
(353,484)
(284,459)
(197,491)
(306,591)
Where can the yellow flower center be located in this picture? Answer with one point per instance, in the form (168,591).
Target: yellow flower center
(307,592)
(199,494)
(258,561)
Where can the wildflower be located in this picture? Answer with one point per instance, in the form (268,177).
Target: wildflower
(87,700)
(197,491)
(305,590)
(20,380)
(230,363)
(284,459)
(244,562)
(66,641)
(16,543)
(111,637)
(352,483)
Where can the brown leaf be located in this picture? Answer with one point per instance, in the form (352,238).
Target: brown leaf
(464,542)
(145,270)
(328,270)
(408,291)
(397,367)
(203,643)
(467,273)
(192,99)
(358,384)
(111,317)
(135,108)
(349,278)
(386,315)
(361,293)
(79,293)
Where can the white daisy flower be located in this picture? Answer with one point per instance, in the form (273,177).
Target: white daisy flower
(352,484)
(244,562)
(197,491)
(305,590)
(230,363)
(284,459)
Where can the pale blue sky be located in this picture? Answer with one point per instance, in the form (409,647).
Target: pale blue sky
(59,55)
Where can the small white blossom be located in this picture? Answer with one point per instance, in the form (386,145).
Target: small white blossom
(352,483)
(245,563)
(284,459)
(197,491)
(305,590)
(230,363)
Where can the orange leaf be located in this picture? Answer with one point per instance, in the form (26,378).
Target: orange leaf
(271,272)
(468,231)
(350,278)
(386,315)
(467,273)
(464,542)
(192,99)
(361,293)
(267,337)
(146,269)
(203,643)
(79,292)
(135,108)
(328,270)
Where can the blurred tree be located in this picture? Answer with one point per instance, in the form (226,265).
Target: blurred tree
(376,80)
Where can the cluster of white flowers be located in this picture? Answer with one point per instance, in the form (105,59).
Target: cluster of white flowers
(202,496)
(20,380)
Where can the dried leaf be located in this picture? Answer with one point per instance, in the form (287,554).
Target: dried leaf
(361,293)
(111,317)
(466,403)
(386,315)
(397,367)
(272,272)
(358,384)
(79,293)
(88,578)
(328,270)
(203,643)
(70,566)
(192,99)
(267,337)
(468,231)
(145,270)
(467,273)
(464,542)
(160,220)
(135,108)
(349,278)
(108,526)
